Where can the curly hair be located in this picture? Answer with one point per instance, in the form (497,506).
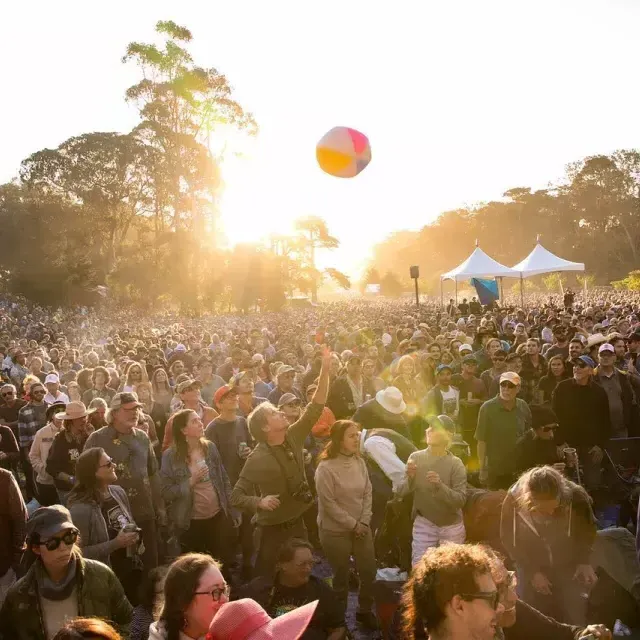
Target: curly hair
(442,573)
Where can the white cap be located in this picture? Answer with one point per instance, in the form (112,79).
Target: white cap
(386,339)
(51,377)
(606,347)
(465,347)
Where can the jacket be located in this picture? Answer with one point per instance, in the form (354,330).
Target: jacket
(177,491)
(526,547)
(340,399)
(13,521)
(99,593)
(94,534)
(39,452)
(627,397)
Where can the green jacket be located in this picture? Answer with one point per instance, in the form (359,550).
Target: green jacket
(100,595)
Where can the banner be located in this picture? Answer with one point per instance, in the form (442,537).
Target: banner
(487,290)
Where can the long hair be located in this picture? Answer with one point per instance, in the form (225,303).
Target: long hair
(180,420)
(157,385)
(179,586)
(145,385)
(149,599)
(564,366)
(336,436)
(86,488)
(143,373)
(547,483)
(93,628)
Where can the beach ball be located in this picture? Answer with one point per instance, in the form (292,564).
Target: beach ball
(343,152)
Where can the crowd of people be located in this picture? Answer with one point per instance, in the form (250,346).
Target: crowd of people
(169,478)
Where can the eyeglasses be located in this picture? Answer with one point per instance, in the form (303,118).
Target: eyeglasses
(7,394)
(111,463)
(69,537)
(35,391)
(508,385)
(551,427)
(492,597)
(499,359)
(216,593)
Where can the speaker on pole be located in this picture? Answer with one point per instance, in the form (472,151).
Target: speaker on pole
(414,272)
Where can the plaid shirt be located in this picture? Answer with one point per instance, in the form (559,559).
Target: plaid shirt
(31,418)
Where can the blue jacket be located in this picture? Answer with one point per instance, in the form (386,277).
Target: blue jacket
(177,492)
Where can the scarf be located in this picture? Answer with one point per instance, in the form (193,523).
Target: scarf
(57,590)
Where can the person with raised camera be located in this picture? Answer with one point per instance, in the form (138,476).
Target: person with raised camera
(272,482)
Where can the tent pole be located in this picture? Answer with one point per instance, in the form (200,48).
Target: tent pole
(441,293)
(584,281)
(501,291)
(456,292)
(521,291)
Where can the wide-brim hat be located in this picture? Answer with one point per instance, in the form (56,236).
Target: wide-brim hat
(391,400)
(54,408)
(595,339)
(74,410)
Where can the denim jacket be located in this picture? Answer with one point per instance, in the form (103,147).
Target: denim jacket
(177,492)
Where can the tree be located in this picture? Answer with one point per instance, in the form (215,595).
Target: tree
(390,285)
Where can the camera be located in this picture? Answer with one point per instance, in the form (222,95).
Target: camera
(303,493)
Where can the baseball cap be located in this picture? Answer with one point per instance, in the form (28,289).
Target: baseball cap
(223,392)
(442,367)
(47,521)
(187,384)
(510,376)
(465,347)
(51,377)
(124,399)
(285,368)
(287,398)
(587,360)
(470,358)
(606,347)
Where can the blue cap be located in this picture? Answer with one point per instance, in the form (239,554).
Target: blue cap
(442,367)
(588,361)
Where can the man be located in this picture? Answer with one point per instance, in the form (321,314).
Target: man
(232,366)
(18,371)
(443,398)
(189,393)
(210,382)
(130,450)
(501,421)
(576,349)
(385,411)
(499,366)
(272,483)
(473,394)
(52,382)
(346,393)
(584,421)
(534,366)
(484,355)
(451,593)
(291,407)
(13,520)
(285,378)
(99,380)
(537,446)
(560,345)
(619,392)
(31,418)
(35,368)
(10,407)
(634,349)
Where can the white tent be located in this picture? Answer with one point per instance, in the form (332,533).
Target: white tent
(479,265)
(542,261)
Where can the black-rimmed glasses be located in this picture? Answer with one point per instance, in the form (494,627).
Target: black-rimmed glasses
(216,593)
(492,597)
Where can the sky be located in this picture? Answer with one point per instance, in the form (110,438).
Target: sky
(461,100)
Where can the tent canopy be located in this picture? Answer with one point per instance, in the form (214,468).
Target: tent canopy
(479,265)
(542,261)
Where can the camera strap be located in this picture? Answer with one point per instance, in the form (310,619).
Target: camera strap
(288,478)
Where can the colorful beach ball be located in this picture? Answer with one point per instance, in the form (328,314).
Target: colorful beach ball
(343,152)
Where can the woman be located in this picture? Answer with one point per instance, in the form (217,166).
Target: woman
(39,452)
(98,418)
(73,391)
(407,381)
(156,411)
(196,489)
(101,511)
(136,373)
(247,402)
(556,373)
(150,603)
(67,447)
(548,529)
(93,628)
(194,592)
(344,515)
(162,392)
(295,586)
(371,383)
(176,370)
(60,583)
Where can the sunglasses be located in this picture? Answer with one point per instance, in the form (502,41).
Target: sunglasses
(508,385)
(550,428)
(6,394)
(37,391)
(492,597)
(69,537)
(216,593)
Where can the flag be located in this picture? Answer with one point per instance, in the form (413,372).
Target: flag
(487,290)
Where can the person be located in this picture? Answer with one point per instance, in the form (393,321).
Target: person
(13,519)
(31,418)
(346,392)
(194,593)
(93,628)
(501,421)
(244,386)
(584,421)
(99,388)
(537,447)
(197,492)
(137,467)
(189,392)
(548,529)
(52,382)
(209,380)
(60,584)
(438,482)
(344,516)
(150,603)
(385,411)
(443,398)
(285,378)
(293,586)
(473,394)
(247,620)
(100,510)
(499,366)
(10,408)
(162,392)
(272,482)
(556,373)
(534,366)
(98,418)
(66,447)
(39,452)
(452,594)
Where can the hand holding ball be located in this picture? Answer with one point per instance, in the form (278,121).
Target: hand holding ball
(343,152)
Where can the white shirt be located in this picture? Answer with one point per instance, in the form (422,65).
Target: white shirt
(450,402)
(383,452)
(62,397)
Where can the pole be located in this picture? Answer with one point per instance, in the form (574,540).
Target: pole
(417,295)
(456,281)
(441,293)
(521,291)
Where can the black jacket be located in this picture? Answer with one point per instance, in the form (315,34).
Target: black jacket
(371,415)
(532,451)
(340,399)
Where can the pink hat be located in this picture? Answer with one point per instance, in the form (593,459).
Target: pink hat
(246,620)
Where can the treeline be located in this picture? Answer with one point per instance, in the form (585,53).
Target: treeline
(591,216)
(134,216)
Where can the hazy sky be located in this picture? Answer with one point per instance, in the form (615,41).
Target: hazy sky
(461,99)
